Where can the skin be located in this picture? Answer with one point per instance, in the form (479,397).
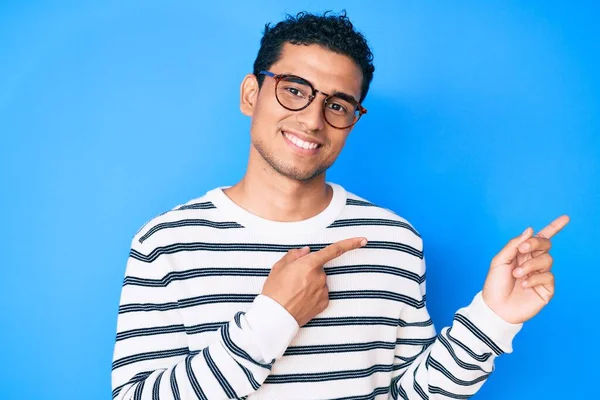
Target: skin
(283,183)
(519,283)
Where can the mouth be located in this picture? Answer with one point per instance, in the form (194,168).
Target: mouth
(300,145)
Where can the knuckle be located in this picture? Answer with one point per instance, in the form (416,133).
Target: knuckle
(338,250)
(320,308)
(316,274)
(546,260)
(275,267)
(283,260)
(306,281)
(543,260)
(322,279)
(286,256)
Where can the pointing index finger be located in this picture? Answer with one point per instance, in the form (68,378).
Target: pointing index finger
(555,226)
(336,249)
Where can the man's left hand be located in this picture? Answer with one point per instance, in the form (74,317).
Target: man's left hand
(519,283)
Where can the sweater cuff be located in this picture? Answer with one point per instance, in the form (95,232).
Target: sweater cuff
(493,326)
(271,326)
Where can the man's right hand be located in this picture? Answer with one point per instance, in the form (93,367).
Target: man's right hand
(298,281)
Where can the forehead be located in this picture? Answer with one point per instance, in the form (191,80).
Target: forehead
(328,71)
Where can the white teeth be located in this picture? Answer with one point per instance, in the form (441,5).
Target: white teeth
(301,143)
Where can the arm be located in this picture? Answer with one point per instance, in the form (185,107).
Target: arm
(458,361)
(453,364)
(151,355)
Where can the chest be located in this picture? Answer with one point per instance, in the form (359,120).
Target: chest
(366,299)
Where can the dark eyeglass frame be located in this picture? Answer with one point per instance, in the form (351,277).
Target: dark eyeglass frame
(279,77)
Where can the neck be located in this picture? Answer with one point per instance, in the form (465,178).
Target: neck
(267,194)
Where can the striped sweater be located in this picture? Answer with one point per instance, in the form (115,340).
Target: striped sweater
(193,325)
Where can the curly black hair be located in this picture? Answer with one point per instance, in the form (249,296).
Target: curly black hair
(333,32)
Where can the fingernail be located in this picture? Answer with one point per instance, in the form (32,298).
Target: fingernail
(525,283)
(524,247)
(519,272)
(363,242)
(525,231)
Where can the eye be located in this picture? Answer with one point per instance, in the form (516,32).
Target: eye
(337,108)
(295,91)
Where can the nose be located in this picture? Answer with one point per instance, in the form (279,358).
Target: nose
(311,117)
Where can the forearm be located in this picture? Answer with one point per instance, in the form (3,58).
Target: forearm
(460,359)
(234,365)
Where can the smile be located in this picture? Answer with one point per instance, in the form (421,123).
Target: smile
(301,143)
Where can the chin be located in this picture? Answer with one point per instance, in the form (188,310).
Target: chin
(301,175)
(290,168)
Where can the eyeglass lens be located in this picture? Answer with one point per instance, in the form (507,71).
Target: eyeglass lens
(295,93)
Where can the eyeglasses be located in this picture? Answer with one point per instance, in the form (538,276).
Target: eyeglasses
(294,93)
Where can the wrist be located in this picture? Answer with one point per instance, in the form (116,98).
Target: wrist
(272,327)
(497,329)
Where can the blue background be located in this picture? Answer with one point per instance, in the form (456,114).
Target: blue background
(483,120)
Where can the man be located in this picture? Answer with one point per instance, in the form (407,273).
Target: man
(284,286)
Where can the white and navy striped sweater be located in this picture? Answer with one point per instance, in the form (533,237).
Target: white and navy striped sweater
(192,324)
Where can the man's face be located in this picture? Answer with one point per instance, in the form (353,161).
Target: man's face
(280,135)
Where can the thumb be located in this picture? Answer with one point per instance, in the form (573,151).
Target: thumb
(510,251)
(293,255)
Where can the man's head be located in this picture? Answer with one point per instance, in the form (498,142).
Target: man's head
(335,64)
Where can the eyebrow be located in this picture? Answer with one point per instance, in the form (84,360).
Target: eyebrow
(297,79)
(343,95)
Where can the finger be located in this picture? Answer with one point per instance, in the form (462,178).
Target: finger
(539,264)
(293,255)
(554,227)
(510,251)
(546,280)
(336,249)
(538,244)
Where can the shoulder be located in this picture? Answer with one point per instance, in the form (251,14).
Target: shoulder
(181,221)
(361,211)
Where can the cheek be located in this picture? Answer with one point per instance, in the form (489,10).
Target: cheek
(337,141)
(268,114)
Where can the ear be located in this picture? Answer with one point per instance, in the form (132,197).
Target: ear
(248,94)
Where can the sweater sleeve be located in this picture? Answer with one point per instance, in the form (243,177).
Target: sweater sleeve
(151,355)
(456,362)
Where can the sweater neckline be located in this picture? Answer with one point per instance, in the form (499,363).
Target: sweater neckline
(240,215)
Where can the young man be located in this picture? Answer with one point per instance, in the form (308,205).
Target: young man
(284,286)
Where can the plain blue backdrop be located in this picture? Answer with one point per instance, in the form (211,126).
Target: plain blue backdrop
(483,120)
